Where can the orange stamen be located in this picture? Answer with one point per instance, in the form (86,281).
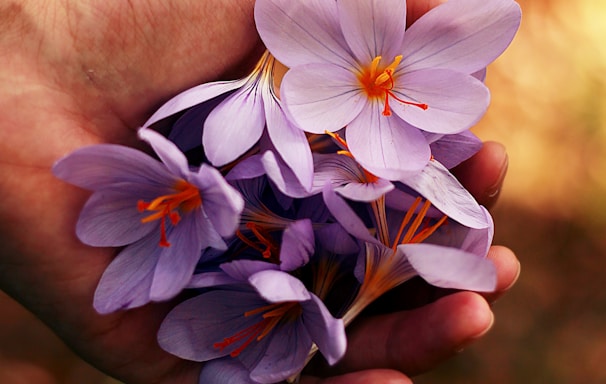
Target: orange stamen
(185,199)
(413,235)
(273,314)
(265,243)
(379,83)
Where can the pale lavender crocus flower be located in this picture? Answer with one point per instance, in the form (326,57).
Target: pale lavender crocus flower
(352,64)
(270,325)
(238,121)
(416,241)
(161,212)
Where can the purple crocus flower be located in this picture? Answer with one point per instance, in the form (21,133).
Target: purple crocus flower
(163,213)
(352,65)
(238,121)
(415,240)
(269,325)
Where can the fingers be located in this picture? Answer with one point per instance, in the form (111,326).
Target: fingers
(416,340)
(417,8)
(483,173)
(383,376)
(508,270)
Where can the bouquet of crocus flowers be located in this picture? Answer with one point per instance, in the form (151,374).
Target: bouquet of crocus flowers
(287,201)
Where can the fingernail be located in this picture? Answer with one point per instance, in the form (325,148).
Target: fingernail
(494,190)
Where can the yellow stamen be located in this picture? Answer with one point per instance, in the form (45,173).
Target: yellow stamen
(379,83)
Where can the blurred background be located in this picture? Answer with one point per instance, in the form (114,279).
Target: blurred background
(549,109)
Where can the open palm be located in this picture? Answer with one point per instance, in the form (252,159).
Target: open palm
(79,73)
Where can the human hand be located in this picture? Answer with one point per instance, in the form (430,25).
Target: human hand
(76,74)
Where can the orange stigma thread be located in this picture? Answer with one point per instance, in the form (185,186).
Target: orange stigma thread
(379,83)
(185,199)
(273,314)
(413,234)
(265,244)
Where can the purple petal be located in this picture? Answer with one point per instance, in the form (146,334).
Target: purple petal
(282,176)
(193,96)
(211,279)
(127,280)
(463,35)
(445,192)
(167,151)
(297,245)
(365,191)
(234,126)
(241,270)
(327,332)
(248,168)
(322,97)
(290,142)
(176,263)
(347,178)
(456,101)
(333,238)
(192,327)
(222,203)
(345,215)
(450,267)
(97,166)
(385,145)
(312,36)
(451,150)
(278,286)
(111,219)
(225,370)
(373,28)
(285,355)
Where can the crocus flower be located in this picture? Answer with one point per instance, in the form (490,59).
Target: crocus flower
(351,64)
(237,122)
(409,243)
(269,325)
(161,212)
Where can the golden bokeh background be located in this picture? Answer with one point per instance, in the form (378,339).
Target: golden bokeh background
(549,109)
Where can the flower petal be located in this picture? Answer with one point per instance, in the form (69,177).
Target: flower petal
(385,145)
(327,332)
(278,286)
(345,215)
(451,150)
(373,27)
(193,96)
(290,141)
(225,370)
(167,151)
(97,166)
(126,282)
(282,176)
(285,354)
(456,101)
(463,35)
(321,97)
(234,126)
(445,192)
(242,269)
(450,267)
(176,263)
(192,327)
(312,36)
(297,245)
(111,219)
(222,203)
